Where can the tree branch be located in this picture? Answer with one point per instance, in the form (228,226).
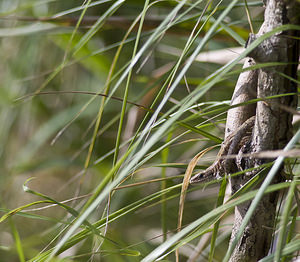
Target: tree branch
(273,124)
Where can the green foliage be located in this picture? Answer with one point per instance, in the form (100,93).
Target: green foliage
(105,103)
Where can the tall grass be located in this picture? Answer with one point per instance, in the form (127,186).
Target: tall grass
(105,103)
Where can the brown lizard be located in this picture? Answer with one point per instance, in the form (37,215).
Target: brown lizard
(229,147)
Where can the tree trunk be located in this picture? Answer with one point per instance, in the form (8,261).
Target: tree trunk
(273,124)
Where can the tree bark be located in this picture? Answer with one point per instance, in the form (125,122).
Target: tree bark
(273,124)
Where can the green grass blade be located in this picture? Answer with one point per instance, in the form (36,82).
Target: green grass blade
(289,249)
(18,241)
(125,97)
(217,224)
(163,215)
(95,28)
(79,8)
(284,220)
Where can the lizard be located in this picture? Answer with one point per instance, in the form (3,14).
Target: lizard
(230,146)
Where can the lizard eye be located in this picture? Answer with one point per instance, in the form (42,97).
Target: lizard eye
(197,178)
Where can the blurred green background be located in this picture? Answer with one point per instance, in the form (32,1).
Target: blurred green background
(51,69)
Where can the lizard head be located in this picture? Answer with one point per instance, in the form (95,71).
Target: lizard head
(206,176)
(198,178)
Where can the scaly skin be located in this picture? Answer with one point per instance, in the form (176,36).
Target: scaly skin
(230,146)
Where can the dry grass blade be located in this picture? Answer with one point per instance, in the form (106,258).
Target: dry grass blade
(185,185)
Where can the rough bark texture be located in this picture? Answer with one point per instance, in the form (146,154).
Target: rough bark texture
(245,90)
(273,125)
